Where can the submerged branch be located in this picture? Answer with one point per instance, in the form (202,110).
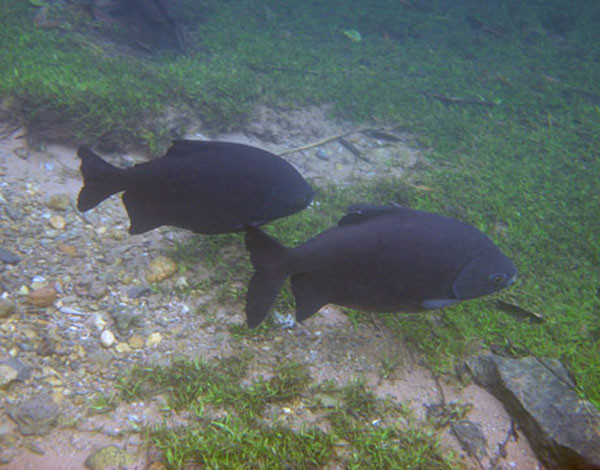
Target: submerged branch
(455,100)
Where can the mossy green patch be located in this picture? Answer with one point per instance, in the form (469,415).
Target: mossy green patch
(361,431)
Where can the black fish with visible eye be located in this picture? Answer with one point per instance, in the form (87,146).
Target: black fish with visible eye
(380,258)
(206,187)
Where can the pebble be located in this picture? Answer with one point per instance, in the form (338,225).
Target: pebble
(109,457)
(322,154)
(59,202)
(161,268)
(7,375)
(8,257)
(23,371)
(23,291)
(138,291)
(122,348)
(125,320)
(42,297)
(57,222)
(153,339)
(285,321)
(7,308)
(136,342)
(107,338)
(68,250)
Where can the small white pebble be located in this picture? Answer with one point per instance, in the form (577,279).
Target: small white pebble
(98,321)
(107,338)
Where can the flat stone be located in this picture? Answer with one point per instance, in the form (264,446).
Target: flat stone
(59,202)
(561,427)
(8,257)
(42,297)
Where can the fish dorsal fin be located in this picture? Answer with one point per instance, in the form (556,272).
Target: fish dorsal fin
(207,149)
(358,213)
(183,147)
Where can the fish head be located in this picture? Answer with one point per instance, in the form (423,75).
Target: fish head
(488,272)
(287,199)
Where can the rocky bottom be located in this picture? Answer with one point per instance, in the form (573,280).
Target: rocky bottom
(82,302)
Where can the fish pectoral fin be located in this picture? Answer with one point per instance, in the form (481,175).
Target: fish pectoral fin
(432,304)
(308,298)
(143,216)
(358,213)
(262,291)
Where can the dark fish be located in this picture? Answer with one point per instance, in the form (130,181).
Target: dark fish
(206,187)
(380,258)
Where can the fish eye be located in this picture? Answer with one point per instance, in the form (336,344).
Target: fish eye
(498,278)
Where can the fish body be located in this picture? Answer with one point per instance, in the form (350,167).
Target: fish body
(205,187)
(378,258)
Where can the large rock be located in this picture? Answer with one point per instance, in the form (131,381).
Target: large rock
(563,429)
(36,416)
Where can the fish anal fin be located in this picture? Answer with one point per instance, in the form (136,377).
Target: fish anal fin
(143,216)
(308,298)
(262,291)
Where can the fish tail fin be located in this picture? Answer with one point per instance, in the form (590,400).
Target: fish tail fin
(270,260)
(100,179)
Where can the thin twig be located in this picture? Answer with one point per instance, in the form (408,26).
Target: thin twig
(501,454)
(322,141)
(455,100)
(352,149)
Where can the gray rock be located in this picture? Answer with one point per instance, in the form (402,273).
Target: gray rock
(8,257)
(36,416)
(471,437)
(7,308)
(125,320)
(13,213)
(561,427)
(7,375)
(23,371)
(138,291)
